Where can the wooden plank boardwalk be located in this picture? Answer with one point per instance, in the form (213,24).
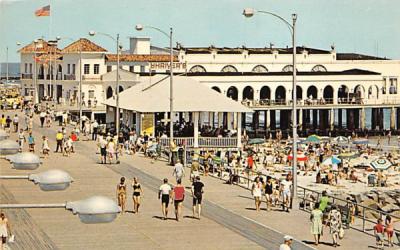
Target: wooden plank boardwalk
(28,234)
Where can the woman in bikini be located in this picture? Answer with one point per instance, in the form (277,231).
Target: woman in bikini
(121,194)
(137,193)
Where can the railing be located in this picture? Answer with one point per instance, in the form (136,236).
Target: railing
(204,142)
(69,77)
(26,76)
(40,77)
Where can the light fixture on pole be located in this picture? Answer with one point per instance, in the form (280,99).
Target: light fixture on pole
(249,12)
(140,27)
(119,47)
(35,92)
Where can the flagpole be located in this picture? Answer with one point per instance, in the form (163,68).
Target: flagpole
(50,72)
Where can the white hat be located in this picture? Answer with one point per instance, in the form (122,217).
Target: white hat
(288,238)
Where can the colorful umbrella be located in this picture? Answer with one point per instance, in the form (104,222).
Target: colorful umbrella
(313,138)
(381,164)
(360,141)
(348,155)
(341,140)
(331,160)
(300,157)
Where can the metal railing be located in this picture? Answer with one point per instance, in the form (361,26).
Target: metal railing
(26,76)
(69,77)
(204,142)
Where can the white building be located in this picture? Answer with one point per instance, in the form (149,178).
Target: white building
(333,89)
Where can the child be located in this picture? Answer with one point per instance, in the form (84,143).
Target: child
(31,143)
(379,231)
(45,146)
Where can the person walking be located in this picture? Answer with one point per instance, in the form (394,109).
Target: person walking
(16,123)
(179,196)
(179,170)
(316,223)
(335,224)
(379,232)
(42,116)
(21,139)
(256,191)
(389,223)
(268,191)
(31,142)
(103,149)
(59,140)
(197,193)
(111,150)
(5,230)
(164,194)
(286,186)
(8,124)
(137,194)
(121,194)
(287,243)
(45,146)
(95,128)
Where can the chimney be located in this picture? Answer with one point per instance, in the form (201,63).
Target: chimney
(139,45)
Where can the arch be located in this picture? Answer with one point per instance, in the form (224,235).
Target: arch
(121,88)
(373,92)
(259,69)
(109,92)
(232,92)
(216,89)
(319,68)
(229,68)
(299,92)
(248,93)
(328,94)
(280,93)
(312,91)
(265,93)
(288,68)
(359,91)
(197,68)
(41,70)
(343,92)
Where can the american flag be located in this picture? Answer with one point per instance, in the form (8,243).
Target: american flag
(44,11)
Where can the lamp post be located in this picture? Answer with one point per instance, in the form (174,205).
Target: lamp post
(119,47)
(35,94)
(7,65)
(249,12)
(80,79)
(140,27)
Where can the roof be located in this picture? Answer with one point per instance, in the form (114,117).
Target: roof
(152,95)
(354,56)
(239,50)
(85,44)
(42,46)
(280,73)
(140,58)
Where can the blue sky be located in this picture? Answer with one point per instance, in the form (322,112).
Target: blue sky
(362,26)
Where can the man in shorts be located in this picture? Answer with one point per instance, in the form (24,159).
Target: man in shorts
(179,170)
(164,194)
(286,186)
(103,150)
(197,192)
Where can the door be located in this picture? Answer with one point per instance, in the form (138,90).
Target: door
(59,92)
(41,92)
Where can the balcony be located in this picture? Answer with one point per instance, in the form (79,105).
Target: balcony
(26,76)
(69,77)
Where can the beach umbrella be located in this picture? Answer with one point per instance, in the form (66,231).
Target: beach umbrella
(256,141)
(341,140)
(313,139)
(331,160)
(300,157)
(348,155)
(381,164)
(361,141)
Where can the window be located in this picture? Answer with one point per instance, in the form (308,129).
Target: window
(287,68)
(393,86)
(109,68)
(26,68)
(259,69)
(86,69)
(69,69)
(142,68)
(384,86)
(197,68)
(73,69)
(131,69)
(91,94)
(229,68)
(319,68)
(30,68)
(96,69)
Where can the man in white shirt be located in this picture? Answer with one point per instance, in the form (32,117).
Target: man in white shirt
(164,194)
(287,243)
(286,186)
(179,170)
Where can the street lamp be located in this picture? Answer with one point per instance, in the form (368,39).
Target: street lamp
(96,209)
(24,161)
(249,12)
(3,135)
(80,79)
(8,147)
(51,180)
(119,47)
(140,27)
(35,92)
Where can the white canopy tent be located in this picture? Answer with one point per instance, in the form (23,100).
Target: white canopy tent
(152,95)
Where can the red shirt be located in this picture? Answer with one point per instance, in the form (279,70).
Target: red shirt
(74,137)
(179,193)
(250,162)
(379,228)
